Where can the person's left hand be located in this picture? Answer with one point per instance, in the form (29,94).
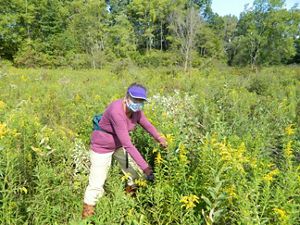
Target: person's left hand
(150,177)
(163,143)
(149,174)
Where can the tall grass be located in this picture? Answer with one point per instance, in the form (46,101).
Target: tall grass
(233,155)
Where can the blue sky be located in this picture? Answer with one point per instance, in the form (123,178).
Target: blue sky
(235,7)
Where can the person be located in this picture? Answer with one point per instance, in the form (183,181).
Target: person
(113,140)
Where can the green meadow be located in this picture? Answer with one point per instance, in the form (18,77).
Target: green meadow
(233,154)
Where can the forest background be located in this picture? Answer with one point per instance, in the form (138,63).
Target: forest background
(92,34)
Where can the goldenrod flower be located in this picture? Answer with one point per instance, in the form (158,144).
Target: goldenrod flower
(289,130)
(234,156)
(281,213)
(77,98)
(3,129)
(158,158)
(225,152)
(189,201)
(23,189)
(140,182)
(242,148)
(182,153)
(231,191)
(154,150)
(126,177)
(213,140)
(270,176)
(130,212)
(169,138)
(24,78)
(97,98)
(288,150)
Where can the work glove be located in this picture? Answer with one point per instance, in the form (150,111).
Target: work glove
(150,178)
(149,174)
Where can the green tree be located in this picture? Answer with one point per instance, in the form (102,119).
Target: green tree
(209,43)
(89,27)
(214,38)
(16,19)
(265,34)
(121,37)
(142,15)
(185,26)
(296,13)
(50,18)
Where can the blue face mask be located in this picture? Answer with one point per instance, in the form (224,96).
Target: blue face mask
(135,107)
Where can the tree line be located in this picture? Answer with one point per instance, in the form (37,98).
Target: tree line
(93,33)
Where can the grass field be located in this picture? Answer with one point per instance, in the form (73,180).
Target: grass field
(233,155)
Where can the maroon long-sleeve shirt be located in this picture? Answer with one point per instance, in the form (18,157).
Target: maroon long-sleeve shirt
(116,126)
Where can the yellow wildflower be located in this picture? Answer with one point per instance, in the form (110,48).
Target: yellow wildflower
(154,150)
(225,151)
(189,201)
(213,140)
(270,176)
(23,189)
(140,182)
(281,213)
(169,138)
(289,130)
(97,98)
(158,158)
(126,177)
(130,212)
(242,148)
(231,191)
(3,129)
(234,156)
(182,153)
(77,98)
(2,105)
(24,78)
(288,150)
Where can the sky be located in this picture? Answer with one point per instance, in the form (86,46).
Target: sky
(235,7)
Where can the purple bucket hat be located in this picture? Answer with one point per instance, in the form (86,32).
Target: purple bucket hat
(137,92)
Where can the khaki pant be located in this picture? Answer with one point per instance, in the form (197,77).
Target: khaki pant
(100,164)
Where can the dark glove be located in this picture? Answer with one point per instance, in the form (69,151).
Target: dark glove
(150,177)
(149,174)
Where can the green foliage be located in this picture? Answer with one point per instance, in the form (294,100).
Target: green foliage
(122,38)
(208,43)
(92,34)
(157,58)
(15,19)
(29,55)
(233,154)
(260,30)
